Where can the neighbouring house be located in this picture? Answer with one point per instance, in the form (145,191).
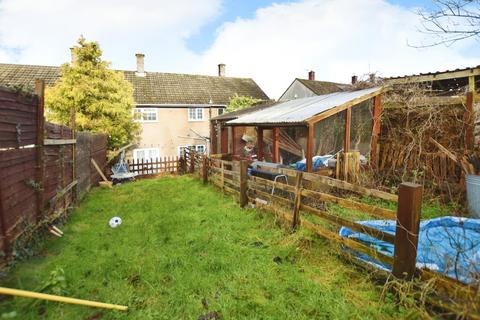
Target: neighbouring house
(303,88)
(174,109)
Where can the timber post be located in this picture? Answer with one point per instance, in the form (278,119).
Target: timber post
(40,169)
(377,111)
(298,200)
(406,234)
(205,169)
(192,161)
(243,183)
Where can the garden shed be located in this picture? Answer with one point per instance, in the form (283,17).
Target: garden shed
(300,129)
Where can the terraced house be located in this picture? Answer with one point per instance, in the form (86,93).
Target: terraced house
(173,109)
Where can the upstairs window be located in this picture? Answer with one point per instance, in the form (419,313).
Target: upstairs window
(221,111)
(145,114)
(195,114)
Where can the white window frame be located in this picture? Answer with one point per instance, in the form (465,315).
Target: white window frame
(142,110)
(136,158)
(195,147)
(196,114)
(221,111)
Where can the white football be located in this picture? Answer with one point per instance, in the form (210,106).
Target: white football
(115,222)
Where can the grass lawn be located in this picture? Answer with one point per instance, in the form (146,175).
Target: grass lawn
(184,251)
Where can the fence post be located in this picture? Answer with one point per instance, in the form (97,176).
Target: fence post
(222,176)
(298,200)
(40,172)
(192,161)
(406,234)
(243,183)
(205,169)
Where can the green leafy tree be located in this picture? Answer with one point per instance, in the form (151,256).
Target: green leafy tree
(101,97)
(241,102)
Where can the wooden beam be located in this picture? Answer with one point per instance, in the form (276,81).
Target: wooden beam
(57,142)
(436,77)
(298,200)
(243,183)
(469,123)
(344,106)
(348,124)
(100,170)
(204,169)
(406,234)
(377,110)
(275,137)
(40,168)
(309,155)
(260,143)
(233,140)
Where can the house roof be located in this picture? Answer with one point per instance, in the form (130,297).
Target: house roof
(153,88)
(241,112)
(300,111)
(323,87)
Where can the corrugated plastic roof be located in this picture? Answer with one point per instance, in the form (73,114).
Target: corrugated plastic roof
(298,111)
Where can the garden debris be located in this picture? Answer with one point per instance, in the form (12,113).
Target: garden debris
(115,222)
(470,164)
(100,172)
(277,260)
(57,229)
(51,297)
(205,303)
(214,315)
(54,232)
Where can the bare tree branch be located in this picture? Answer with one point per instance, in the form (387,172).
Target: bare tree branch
(450,21)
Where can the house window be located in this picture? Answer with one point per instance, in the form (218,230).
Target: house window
(199,148)
(221,111)
(145,114)
(145,154)
(195,114)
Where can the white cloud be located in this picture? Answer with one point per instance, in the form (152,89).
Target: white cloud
(40,32)
(336,38)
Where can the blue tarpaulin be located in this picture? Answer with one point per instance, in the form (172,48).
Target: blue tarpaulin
(448,245)
(317,162)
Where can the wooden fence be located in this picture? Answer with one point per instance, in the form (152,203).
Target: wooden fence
(40,166)
(304,202)
(154,166)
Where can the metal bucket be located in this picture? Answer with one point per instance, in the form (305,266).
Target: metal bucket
(473,195)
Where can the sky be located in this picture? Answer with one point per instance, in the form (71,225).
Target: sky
(272,42)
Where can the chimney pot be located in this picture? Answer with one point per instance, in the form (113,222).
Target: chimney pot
(354,79)
(311,75)
(140,64)
(73,56)
(221,70)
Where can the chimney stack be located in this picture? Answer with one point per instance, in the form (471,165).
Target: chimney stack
(354,79)
(221,70)
(311,75)
(140,64)
(73,56)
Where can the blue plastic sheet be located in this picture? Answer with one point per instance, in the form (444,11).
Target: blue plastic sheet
(448,245)
(317,162)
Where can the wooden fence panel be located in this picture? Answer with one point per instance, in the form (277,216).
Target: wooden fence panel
(18,119)
(37,180)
